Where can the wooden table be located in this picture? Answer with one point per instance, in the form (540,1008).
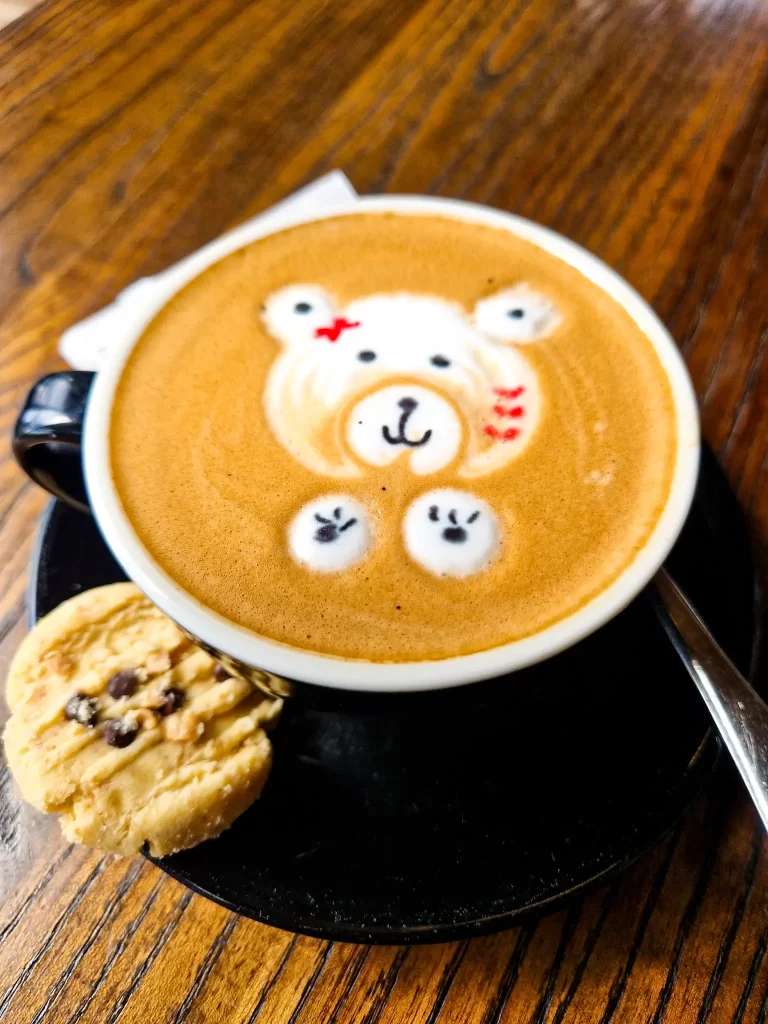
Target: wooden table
(132,132)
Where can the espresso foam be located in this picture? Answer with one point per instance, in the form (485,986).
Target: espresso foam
(233,414)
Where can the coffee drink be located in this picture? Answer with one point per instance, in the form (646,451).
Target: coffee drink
(393,437)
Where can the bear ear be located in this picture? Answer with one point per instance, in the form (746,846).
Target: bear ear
(293,314)
(518,314)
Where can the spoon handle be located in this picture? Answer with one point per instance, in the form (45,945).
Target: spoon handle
(740,715)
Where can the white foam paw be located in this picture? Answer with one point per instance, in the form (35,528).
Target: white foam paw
(451,533)
(330,534)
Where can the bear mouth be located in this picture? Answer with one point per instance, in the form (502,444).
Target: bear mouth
(405,421)
(408,405)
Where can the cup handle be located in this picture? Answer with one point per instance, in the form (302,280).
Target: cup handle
(48,434)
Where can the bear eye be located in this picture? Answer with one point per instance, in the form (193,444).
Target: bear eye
(440,361)
(516,313)
(366,356)
(302,307)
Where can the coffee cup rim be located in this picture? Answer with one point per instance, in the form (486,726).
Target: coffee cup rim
(250,649)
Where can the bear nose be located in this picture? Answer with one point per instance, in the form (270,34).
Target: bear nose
(407,404)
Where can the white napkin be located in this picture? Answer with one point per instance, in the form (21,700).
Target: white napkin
(84,344)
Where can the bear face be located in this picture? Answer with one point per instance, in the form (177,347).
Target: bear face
(404,375)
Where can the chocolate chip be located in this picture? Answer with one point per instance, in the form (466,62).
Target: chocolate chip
(123,683)
(220,674)
(173,699)
(83,710)
(120,732)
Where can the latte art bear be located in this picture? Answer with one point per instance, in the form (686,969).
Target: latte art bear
(404,373)
(286,425)
(403,376)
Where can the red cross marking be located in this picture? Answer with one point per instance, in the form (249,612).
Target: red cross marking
(332,333)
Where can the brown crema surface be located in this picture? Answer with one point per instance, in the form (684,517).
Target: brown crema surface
(210,491)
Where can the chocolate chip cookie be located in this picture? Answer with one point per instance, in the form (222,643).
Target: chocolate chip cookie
(128,731)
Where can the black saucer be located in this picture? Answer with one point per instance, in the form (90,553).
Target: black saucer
(454,814)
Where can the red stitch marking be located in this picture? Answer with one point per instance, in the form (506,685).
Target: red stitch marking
(508,392)
(514,413)
(332,333)
(509,434)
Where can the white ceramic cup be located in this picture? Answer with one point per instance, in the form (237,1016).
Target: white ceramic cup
(259,656)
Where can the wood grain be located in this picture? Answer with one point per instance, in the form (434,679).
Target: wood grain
(131,134)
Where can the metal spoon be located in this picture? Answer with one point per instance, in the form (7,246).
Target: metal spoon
(740,715)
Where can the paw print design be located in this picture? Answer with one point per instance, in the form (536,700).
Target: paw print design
(454,534)
(451,533)
(330,534)
(332,528)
